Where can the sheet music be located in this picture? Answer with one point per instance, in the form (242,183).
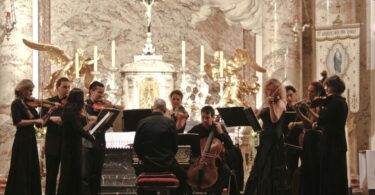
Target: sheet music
(100,123)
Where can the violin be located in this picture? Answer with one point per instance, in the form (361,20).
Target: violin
(101,104)
(34,103)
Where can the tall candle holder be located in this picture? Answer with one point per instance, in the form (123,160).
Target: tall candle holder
(221,81)
(114,92)
(96,75)
(77,82)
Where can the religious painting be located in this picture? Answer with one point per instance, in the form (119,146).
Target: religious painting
(149,92)
(337,52)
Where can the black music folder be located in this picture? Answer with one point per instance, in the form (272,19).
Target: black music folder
(238,116)
(105,120)
(191,139)
(132,117)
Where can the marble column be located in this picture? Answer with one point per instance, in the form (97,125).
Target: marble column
(15,65)
(282,41)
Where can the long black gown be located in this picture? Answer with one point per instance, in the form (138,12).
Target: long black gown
(332,119)
(24,172)
(269,173)
(70,176)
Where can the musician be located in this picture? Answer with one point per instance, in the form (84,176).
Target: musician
(54,135)
(269,173)
(332,119)
(178,112)
(93,153)
(308,140)
(76,125)
(155,143)
(24,178)
(203,129)
(291,135)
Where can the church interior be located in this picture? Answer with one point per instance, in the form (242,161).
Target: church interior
(218,53)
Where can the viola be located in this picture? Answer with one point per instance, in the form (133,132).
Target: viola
(203,174)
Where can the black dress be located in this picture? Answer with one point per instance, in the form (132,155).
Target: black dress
(24,173)
(70,176)
(332,119)
(269,173)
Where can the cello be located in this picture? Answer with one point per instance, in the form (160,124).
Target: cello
(203,174)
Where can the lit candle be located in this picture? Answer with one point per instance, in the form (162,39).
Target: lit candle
(221,64)
(183,55)
(286,61)
(77,65)
(95,58)
(113,53)
(202,59)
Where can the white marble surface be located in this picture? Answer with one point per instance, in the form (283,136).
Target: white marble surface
(326,11)
(281,49)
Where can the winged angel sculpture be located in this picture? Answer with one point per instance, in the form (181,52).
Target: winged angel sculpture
(65,64)
(237,87)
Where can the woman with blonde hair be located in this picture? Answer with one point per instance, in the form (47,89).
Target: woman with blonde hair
(24,173)
(269,173)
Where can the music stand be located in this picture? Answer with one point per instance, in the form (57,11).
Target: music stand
(238,116)
(105,120)
(132,117)
(191,139)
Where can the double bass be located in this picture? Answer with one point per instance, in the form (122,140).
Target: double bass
(203,174)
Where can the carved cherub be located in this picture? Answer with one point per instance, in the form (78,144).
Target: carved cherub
(58,57)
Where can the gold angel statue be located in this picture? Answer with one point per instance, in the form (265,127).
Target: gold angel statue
(237,87)
(58,57)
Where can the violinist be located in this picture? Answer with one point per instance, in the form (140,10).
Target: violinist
(155,143)
(75,128)
(309,140)
(315,94)
(269,173)
(54,135)
(203,129)
(178,112)
(93,153)
(291,135)
(332,120)
(24,178)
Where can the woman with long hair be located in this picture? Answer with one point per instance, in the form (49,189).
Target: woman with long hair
(24,172)
(269,173)
(75,126)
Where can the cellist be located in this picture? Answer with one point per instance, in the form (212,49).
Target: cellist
(207,124)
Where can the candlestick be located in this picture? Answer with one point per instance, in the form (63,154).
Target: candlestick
(202,59)
(95,58)
(183,53)
(113,53)
(77,65)
(286,61)
(221,64)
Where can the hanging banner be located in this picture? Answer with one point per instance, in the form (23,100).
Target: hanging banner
(337,52)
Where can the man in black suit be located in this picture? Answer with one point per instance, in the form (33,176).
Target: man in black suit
(155,143)
(54,136)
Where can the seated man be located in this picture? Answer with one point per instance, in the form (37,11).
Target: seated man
(155,143)
(203,129)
